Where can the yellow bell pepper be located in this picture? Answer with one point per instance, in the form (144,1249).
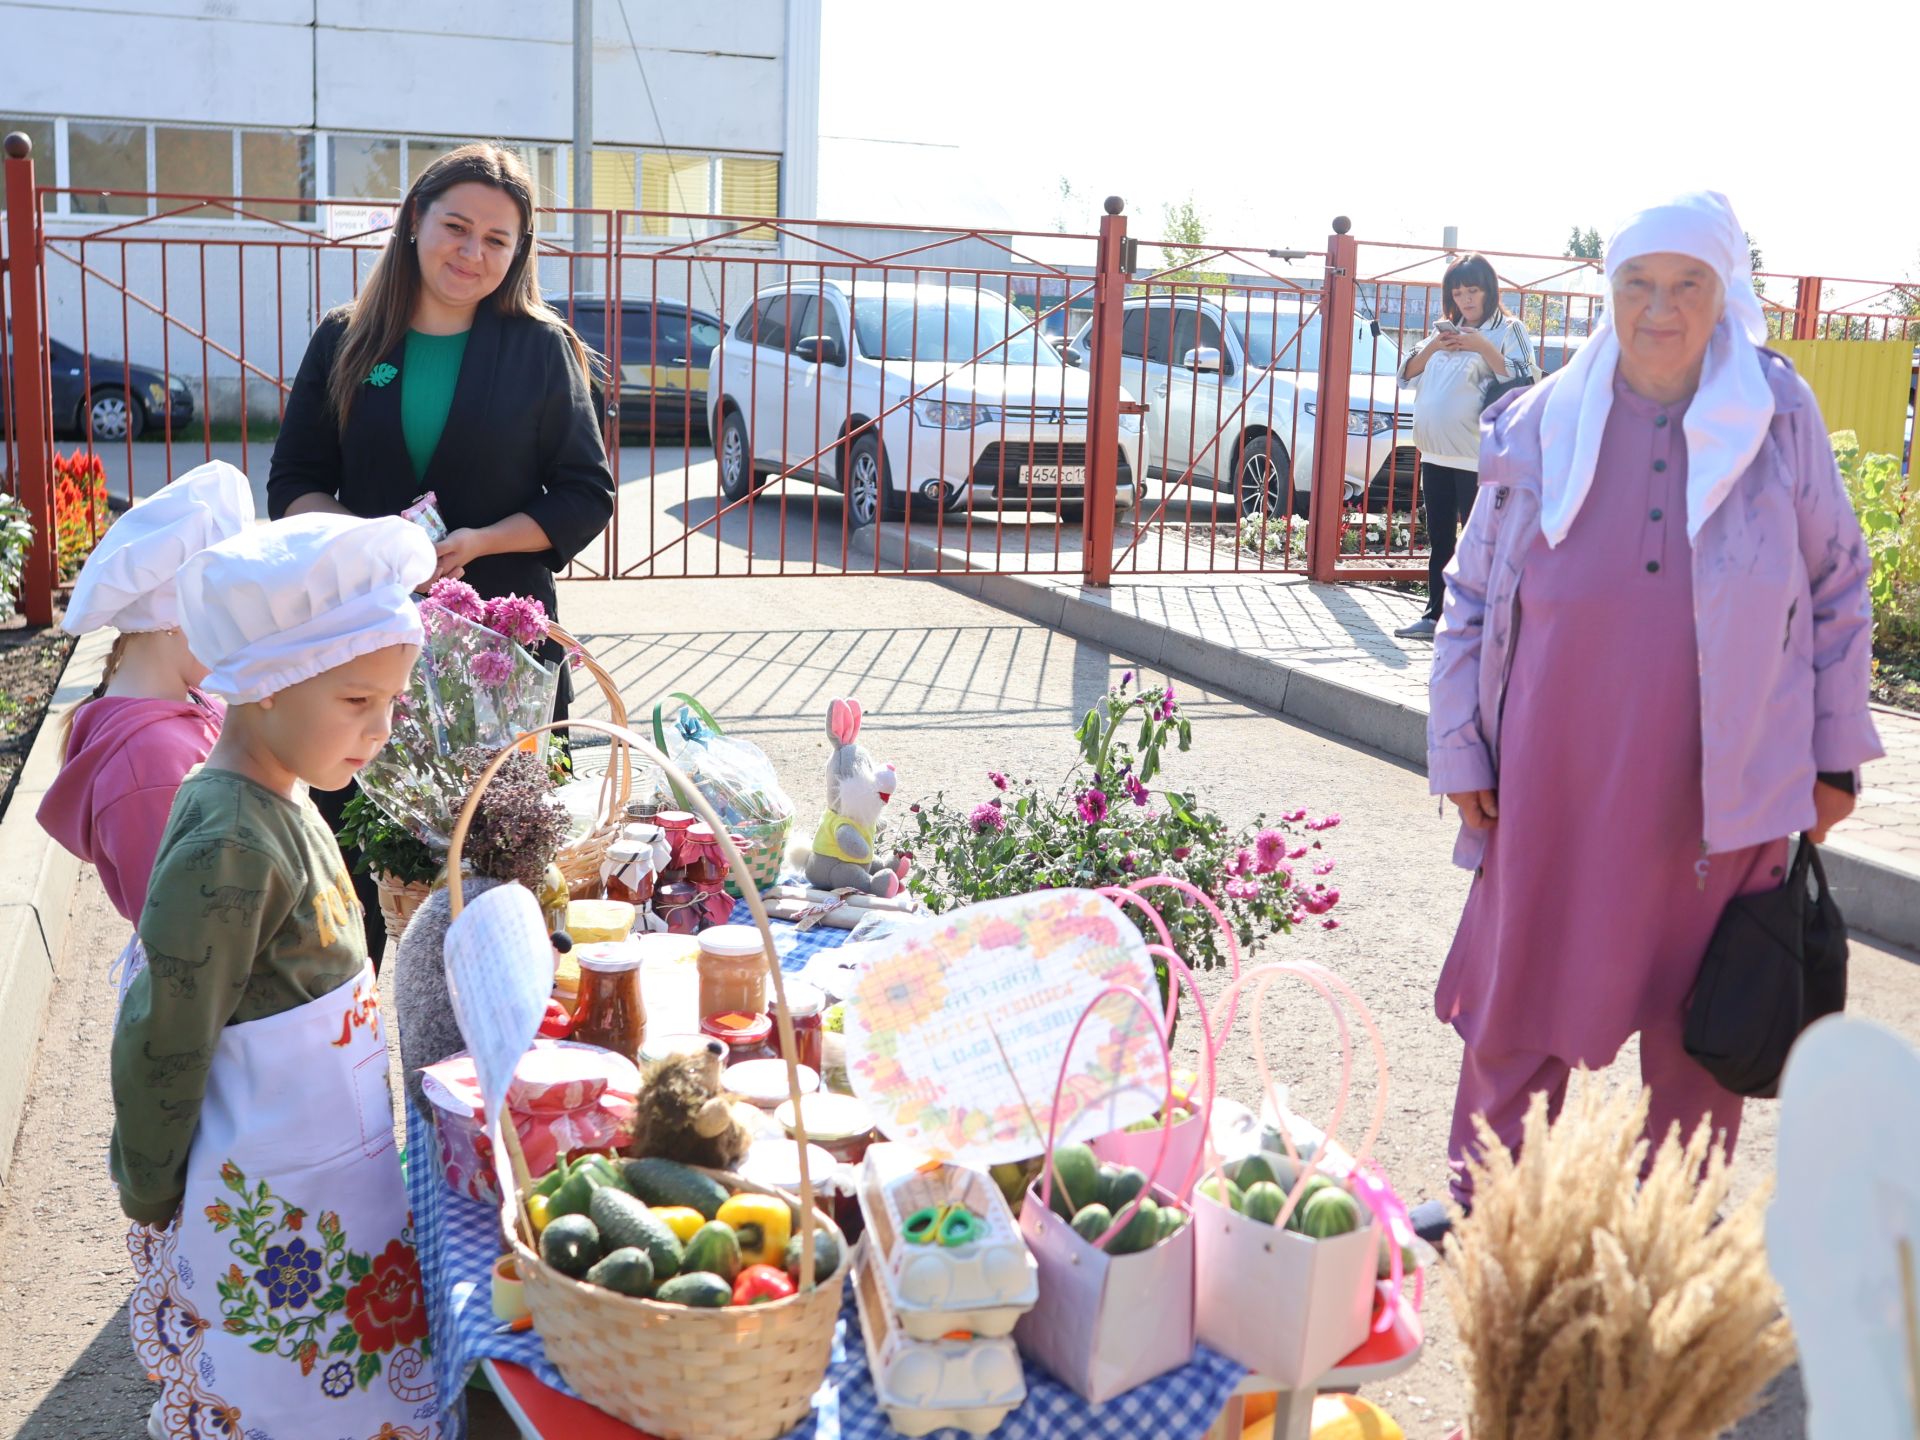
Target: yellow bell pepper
(763,1223)
(538,1207)
(683,1220)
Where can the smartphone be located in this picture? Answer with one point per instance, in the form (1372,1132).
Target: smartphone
(1446,327)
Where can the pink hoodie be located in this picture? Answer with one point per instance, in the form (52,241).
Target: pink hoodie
(110,802)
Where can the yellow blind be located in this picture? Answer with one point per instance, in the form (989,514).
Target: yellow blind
(750,186)
(672,182)
(613,179)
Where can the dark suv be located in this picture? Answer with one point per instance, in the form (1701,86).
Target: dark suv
(664,349)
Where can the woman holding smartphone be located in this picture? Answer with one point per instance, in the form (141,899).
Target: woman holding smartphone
(1477,346)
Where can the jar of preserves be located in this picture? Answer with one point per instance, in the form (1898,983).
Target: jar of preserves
(733,971)
(716,905)
(745,1036)
(628,870)
(808,1007)
(610,1013)
(706,866)
(675,823)
(679,907)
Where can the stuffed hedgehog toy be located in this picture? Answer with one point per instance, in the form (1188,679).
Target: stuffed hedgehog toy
(844,847)
(684,1113)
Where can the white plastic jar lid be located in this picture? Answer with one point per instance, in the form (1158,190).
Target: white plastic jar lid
(608,957)
(731,940)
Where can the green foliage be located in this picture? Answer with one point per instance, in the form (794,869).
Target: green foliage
(1186,246)
(16,537)
(1889,509)
(1104,824)
(1584,244)
(385,844)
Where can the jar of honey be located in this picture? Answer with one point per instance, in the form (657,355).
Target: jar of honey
(745,1036)
(628,870)
(610,1012)
(808,1007)
(733,971)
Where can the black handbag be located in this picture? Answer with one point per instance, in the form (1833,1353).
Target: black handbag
(1777,962)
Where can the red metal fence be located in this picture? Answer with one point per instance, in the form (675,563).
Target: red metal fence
(1092,405)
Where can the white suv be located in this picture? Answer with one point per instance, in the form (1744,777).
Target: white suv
(1232,390)
(930,400)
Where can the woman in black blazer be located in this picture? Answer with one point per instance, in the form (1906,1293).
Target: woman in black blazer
(448,373)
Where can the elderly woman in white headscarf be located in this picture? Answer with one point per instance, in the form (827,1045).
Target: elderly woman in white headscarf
(1652,669)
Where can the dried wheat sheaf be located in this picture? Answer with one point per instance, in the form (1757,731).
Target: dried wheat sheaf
(1591,1304)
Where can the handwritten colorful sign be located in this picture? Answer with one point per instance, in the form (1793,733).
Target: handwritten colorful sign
(933,1011)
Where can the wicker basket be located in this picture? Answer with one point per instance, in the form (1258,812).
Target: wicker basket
(738,1373)
(399,899)
(581,860)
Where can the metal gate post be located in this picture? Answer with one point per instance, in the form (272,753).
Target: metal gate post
(32,432)
(1103,405)
(1806,308)
(1330,423)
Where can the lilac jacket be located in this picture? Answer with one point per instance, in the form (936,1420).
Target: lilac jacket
(1781,615)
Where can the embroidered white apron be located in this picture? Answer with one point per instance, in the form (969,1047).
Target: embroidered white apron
(285,1302)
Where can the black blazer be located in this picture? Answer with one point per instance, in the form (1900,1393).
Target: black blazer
(522,435)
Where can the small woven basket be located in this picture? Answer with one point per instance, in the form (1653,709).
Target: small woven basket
(399,899)
(580,861)
(739,1373)
(769,837)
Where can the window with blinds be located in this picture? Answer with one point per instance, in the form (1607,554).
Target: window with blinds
(750,185)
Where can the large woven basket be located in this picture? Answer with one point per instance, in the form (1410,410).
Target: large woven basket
(399,899)
(739,1373)
(580,861)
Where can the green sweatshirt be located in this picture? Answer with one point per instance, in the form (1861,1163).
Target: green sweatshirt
(250,913)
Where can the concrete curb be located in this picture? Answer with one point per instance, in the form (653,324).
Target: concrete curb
(37,880)
(1879,896)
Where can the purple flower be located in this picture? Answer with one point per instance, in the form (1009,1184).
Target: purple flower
(1126,680)
(1325,822)
(1325,867)
(1093,806)
(460,598)
(492,668)
(1329,924)
(999,780)
(518,618)
(1269,849)
(1242,862)
(1137,792)
(985,817)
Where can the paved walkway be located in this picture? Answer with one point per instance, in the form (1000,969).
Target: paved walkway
(1327,655)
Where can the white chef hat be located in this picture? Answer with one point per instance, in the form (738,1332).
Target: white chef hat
(128,580)
(285,602)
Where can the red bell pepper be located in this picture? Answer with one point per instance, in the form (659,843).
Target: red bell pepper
(760,1283)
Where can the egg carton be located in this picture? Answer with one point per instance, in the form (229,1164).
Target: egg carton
(969,1383)
(982,1287)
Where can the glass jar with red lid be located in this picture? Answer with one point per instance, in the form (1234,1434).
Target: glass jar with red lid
(745,1036)
(675,823)
(706,865)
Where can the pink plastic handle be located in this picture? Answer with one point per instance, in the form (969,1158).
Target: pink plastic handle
(1166,1107)
(1194,892)
(1177,968)
(1124,898)
(1387,1207)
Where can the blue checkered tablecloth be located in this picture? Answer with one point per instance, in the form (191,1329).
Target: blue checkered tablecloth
(458,1240)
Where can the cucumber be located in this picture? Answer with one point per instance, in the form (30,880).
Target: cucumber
(714,1248)
(575,1195)
(668,1182)
(1076,1179)
(571,1244)
(696,1288)
(624,1221)
(628,1271)
(1092,1222)
(826,1256)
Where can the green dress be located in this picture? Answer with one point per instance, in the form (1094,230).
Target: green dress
(428,373)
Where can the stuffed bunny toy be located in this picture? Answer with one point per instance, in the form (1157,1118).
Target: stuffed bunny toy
(844,855)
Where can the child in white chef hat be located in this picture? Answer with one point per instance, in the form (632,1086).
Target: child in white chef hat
(127,747)
(252,1117)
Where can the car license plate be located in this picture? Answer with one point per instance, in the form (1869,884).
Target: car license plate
(1039,476)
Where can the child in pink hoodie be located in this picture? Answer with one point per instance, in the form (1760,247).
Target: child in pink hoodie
(130,745)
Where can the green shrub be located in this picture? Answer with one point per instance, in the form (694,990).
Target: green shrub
(1889,509)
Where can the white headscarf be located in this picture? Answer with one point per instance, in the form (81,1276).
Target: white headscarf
(1730,412)
(281,603)
(128,580)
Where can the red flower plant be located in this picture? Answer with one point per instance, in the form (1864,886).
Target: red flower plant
(388,1308)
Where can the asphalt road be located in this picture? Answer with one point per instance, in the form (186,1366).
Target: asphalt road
(952,690)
